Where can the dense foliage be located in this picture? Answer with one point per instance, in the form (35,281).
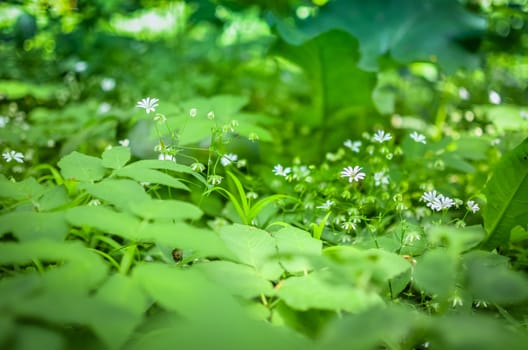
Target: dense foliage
(264,175)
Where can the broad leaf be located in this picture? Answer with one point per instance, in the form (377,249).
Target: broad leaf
(410,30)
(29,225)
(295,247)
(26,189)
(120,192)
(116,157)
(165,209)
(253,247)
(314,291)
(105,219)
(151,176)
(435,273)
(80,167)
(238,279)
(507,197)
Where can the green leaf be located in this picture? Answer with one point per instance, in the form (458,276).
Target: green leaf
(125,292)
(330,64)
(295,247)
(165,209)
(507,200)
(26,189)
(56,197)
(105,219)
(435,273)
(29,225)
(116,157)
(31,337)
(80,167)
(313,291)
(122,193)
(490,279)
(253,247)
(240,280)
(151,176)
(166,165)
(410,30)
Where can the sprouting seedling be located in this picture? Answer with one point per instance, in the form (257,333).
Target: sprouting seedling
(245,209)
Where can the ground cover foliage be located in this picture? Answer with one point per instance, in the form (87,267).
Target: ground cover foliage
(286,175)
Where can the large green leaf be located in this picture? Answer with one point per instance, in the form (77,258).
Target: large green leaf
(151,176)
(26,189)
(435,273)
(296,246)
(30,225)
(120,192)
(316,291)
(116,157)
(338,86)
(253,247)
(507,197)
(410,30)
(165,209)
(80,167)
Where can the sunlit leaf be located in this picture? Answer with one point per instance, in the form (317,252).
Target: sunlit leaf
(80,167)
(165,209)
(116,157)
(507,199)
(151,176)
(120,192)
(295,247)
(30,225)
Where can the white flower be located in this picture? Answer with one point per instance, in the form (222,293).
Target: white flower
(252,195)
(353,174)
(353,146)
(13,155)
(380,178)
(346,239)
(326,205)
(228,159)
(253,137)
(380,136)
(104,108)
(348,226)
(278,170)
(149,104)
(108,84)
(124,142)
(215,179)
(429,197)
(441,202)
(193,112)
(418,137)
(198,167)
(457,301)
(412,236)
(94,203)
(473,206)
(210,115)
(494,97)
(80,66)
(3,121)
(463,93)
(166,156)
(523,114)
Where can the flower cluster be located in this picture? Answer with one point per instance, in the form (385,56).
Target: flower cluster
(437,201)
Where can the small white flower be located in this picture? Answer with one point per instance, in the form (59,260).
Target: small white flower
(210,115)
(523,114)
(3,121)
(13,155)
(463,93)
(348,226)
(352,145)
(346,239)
(80,66)
(278,170)
(429,197)
(411,237)
(193,112)
(253,137)
(473,206)
(353,174)
(326,205)
(104,108)
(478,303)
(166,156)
(198,167)
(108,84)
(252,195)
(418,137)
(149,104)
(94,203)
(381,136)
(215,179)
(442,202)
(124,142)
(160,118)
(381,178)
(457,301)
(228,159)
(494,97)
